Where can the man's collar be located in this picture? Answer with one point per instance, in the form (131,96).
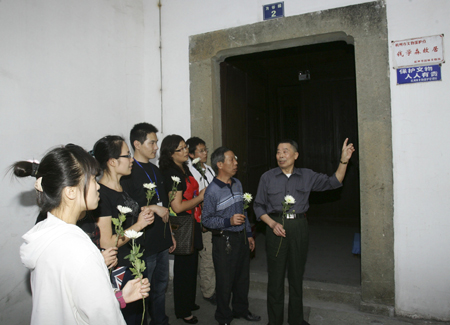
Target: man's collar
(222,184)
(140,160)
(297,171)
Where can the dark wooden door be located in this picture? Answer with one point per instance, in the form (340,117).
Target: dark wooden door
(245,124)
(319,115)
(263,101)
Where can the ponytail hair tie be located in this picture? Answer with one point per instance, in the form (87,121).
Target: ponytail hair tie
(38,185)
(34,167)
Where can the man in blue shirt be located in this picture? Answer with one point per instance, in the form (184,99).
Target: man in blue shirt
(223,213)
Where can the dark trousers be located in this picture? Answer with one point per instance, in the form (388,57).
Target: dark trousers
(185,283)
(157,268)
(232,275)
(292,254)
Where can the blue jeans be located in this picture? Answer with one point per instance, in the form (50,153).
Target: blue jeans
(157,268)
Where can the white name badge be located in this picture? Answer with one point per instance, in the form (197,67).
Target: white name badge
(160,204)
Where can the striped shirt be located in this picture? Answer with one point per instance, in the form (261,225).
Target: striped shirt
(221,202)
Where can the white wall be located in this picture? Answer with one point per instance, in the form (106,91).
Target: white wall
(420,116)
(70,71)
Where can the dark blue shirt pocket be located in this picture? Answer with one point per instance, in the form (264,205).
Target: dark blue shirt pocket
(301,197)
(276,198)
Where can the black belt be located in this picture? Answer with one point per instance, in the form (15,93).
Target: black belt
(289,215)
(217,232)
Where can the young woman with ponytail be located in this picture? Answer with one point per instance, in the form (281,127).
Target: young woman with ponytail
(69,279)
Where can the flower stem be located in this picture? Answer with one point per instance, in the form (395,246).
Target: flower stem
(279,246)
(117,240)
(143,304)
(245,233)
(281,239)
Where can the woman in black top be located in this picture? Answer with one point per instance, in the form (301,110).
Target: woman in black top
(115,160)
(173,162)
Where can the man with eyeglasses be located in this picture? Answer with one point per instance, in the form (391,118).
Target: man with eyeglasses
(204,175)
(158,240)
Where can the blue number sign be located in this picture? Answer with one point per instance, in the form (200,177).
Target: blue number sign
(419,74)
(274,10)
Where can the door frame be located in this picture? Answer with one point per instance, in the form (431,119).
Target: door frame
(364,26)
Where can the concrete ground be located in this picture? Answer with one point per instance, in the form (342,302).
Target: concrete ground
(316,313)
(331,286)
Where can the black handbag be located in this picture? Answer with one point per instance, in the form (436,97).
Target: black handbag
(183,232)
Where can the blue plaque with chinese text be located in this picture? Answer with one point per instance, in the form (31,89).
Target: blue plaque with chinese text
(419,74)
(274,10)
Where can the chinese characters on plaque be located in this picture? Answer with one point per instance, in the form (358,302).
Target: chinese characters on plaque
(419,74)
(418,59)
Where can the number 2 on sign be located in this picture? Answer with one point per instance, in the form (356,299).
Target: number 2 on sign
(274,13)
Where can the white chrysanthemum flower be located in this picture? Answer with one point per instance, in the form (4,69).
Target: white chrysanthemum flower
(124,210)
(133,234)
(176,179)
(248,197)
(195,161)
(289,199)
(149,186)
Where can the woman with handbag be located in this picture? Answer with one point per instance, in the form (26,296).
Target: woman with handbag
(186,204)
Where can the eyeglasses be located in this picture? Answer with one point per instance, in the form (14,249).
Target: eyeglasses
(202,150)
(181,149)
(126,156)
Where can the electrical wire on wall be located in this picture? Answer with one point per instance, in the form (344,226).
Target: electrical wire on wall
(160,68)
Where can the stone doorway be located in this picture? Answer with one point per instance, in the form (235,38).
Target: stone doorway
(364,26)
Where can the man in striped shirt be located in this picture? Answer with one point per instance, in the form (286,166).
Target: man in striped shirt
(223,214)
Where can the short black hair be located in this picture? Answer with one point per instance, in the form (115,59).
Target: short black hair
(291,142)
(193,142)
(139,132)
(218,156)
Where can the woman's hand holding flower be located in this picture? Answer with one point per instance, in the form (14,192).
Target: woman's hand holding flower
(146,217)
(162,212)
(202,193)
(110,257)
(135,290)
